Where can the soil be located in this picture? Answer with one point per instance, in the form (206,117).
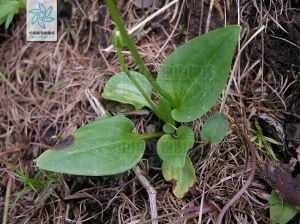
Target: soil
(48,99)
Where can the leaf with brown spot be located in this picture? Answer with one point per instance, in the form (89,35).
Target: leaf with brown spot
(65,142)
(106,146)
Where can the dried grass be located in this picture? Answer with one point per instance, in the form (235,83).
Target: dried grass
(51,79)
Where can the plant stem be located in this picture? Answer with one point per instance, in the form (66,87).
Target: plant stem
(7,199)
(149,135)
(118,20)
(138,86)
(121,60)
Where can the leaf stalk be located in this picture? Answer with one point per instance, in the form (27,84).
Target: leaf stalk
(144,70)
(124,68)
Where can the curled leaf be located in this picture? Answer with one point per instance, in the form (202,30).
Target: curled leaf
(182,178)
(120,88)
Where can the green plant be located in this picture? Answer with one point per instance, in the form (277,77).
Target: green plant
(35,185)
(189,83)
(8,8)
(281,211)
(264,142)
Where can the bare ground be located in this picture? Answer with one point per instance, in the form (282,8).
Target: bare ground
(45,96)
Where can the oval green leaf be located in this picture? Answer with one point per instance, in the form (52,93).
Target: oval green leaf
(214,129)
(195,74)
(174,150)
(106,146)
(120,88)
(183,178)
(281,211)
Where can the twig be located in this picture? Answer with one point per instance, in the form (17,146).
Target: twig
(206,208)
(141,24)
(290,114)
(202,205)
(175,12)
(201,17)
(276,93)
(185,214)
(209,15)
(14,149)
(7,199)
(81,9)
(251,148)
(151,193)
(291,43)
(99,109)
(95,103)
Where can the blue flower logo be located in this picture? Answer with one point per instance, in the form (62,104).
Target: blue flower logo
(41,15)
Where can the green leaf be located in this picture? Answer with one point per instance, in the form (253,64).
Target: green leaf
(120,88)
(169,129)
(165,108)
(104,147)
(273,141)
(9,18)
(182,178)
(215,128)
(195,74)
(7,11)
(280,211)
(268,148)
(173,150)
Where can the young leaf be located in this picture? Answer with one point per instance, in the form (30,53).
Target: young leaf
(173,150)
(165,108)
(196,72)
(120,88)
(104,147)
(215,128)
(280,211)
(169,129)
(182,178)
